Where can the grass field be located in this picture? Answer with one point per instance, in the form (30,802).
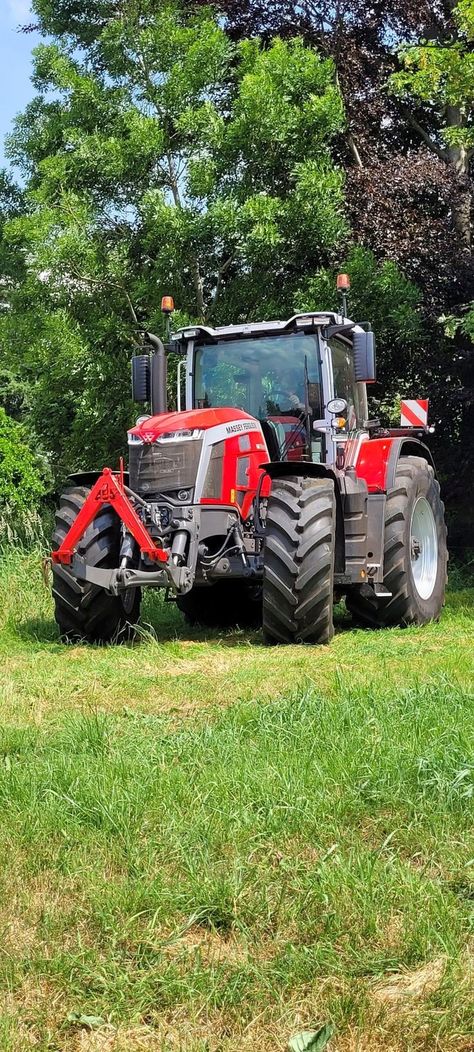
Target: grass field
(209,845)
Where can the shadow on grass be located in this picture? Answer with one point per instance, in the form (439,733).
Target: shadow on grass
(162,622)
(36,630)
(163,625)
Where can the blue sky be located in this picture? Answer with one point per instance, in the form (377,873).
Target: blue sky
(15,63)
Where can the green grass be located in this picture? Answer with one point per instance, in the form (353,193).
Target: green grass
(211,845)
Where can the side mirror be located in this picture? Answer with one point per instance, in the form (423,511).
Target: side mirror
(364,357)
(141,387)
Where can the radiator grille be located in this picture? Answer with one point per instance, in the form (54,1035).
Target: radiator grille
(163,467)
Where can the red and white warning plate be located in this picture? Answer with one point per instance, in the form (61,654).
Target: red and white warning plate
(414,412)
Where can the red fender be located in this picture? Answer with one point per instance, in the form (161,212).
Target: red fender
(378,459)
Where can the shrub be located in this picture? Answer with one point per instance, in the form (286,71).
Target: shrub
(22,479)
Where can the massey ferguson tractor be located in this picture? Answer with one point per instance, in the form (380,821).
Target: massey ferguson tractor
(267,496)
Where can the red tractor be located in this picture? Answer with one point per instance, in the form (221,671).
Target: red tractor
(267,496)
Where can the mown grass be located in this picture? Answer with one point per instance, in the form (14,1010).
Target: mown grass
(210,845)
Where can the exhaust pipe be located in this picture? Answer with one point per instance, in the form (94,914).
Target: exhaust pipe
(158,395)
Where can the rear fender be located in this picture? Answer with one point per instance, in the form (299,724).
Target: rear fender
(378,459)
(285,468)
(406,447)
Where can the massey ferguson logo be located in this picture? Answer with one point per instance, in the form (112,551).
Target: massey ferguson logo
(246,425)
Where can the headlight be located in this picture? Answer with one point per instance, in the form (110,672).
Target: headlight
(178,436)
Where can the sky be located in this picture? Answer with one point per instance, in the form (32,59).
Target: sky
(15,64)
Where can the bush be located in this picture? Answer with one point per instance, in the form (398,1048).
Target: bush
(22,479)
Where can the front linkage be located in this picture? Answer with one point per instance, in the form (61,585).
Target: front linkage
(110,489)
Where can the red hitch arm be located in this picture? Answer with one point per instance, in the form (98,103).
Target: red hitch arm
(108,489)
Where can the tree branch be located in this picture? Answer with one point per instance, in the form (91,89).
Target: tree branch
(198,288)
(225,266)
(432,145)
(354,150)
(107,284)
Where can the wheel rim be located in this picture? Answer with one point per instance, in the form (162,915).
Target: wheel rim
(423,548)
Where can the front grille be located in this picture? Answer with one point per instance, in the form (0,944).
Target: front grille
(163,467)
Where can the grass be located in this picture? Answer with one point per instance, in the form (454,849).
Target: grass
(209,845)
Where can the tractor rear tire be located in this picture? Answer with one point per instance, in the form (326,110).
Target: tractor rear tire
(83,611)
(225,604)
(415,553)
(298,574)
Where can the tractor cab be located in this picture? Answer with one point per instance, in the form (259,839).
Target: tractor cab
(303,380)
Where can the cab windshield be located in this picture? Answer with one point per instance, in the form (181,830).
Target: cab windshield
(268,377)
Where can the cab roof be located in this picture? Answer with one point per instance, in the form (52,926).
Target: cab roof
(308,322)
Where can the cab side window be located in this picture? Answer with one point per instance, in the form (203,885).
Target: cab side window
(345,385)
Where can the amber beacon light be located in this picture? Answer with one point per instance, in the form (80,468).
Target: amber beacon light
(343,284)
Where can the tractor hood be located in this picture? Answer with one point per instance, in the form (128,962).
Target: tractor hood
(174,425)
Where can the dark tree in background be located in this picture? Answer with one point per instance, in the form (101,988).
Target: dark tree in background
(392,149)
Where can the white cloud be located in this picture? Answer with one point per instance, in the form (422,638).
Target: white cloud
(19,11)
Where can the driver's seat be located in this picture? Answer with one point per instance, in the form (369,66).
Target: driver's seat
(274,435)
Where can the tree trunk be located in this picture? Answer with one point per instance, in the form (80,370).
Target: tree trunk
(199,289)
(459,161)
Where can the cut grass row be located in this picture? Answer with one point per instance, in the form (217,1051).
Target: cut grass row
(213,859)
(182,669)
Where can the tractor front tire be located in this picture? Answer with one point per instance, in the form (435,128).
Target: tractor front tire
(82,610)
(298,574)
(415,553)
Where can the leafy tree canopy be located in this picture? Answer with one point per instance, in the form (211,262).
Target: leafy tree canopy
(163,155)
(161,158)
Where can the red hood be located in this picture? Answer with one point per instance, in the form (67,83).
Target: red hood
(200,419)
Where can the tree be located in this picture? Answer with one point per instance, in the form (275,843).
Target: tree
(162,158)
(391,143)
(405,71)
(439,73)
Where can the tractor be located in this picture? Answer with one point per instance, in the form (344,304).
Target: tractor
(267,496)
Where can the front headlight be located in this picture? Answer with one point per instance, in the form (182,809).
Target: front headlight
(186,435)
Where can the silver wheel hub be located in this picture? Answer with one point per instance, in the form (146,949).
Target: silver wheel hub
(423,548)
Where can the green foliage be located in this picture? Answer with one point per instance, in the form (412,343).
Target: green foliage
(22,478)
(381,295)
(441,74)
(465,15)
(164,158)
(379,292)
